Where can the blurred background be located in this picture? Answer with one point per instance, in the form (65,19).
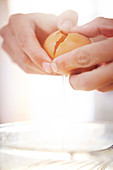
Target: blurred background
(50,98)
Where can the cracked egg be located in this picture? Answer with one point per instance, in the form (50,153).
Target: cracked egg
(59,43)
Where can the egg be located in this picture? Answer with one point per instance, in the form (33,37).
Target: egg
(59,43)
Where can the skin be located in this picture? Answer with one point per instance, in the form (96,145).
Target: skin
(24,35)
(96,54)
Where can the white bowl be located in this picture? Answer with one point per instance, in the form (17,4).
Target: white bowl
(28,145)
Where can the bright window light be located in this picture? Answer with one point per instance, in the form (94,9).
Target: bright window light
(45,94)
(42,97)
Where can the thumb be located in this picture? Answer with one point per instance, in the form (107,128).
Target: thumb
(67,20)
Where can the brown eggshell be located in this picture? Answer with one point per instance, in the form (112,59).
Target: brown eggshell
(72,41)
(58,43)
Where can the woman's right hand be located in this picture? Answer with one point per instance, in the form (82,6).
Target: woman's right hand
(99,54)
(24,35)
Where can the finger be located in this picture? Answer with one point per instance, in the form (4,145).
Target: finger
(25,63)
(85,56)
(17,55)
(99,26)
(80,70)
(106,88)
(26,69)
(94,79)
(26,38)
(67,20)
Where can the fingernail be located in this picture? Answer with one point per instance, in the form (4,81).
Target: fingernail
(47,67)
(67,24)
(54,67)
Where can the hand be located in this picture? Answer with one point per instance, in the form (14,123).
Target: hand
(99,53)
(24,35)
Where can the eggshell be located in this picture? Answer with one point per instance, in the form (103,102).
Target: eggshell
(58,43)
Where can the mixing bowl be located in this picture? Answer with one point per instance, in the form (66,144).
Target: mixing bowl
(50,146)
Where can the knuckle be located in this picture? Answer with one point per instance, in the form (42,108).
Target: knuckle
(62,64)
(83,57)
(99,19)
(36,55)
(26,62)
(27,70)
(3,31)
(23,41)
(3,45)
(14,18)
